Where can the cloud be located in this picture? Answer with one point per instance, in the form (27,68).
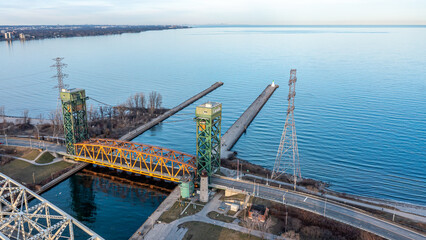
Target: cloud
(213,12)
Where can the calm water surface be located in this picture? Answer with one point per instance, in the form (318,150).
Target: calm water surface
(113,210)
(360,105)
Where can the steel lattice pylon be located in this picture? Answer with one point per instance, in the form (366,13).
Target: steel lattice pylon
(75,117)
(208,117)
(38,219)
(287,159)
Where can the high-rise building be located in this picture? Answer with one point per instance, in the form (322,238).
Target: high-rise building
(8,35)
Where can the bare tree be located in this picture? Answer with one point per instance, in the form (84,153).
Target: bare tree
(142,100)
(155,101)
(249,224)
(266,226)
(136,100)
(52,119)
(59,121)
(40,116)
(101,112)
(26,119)
(158,101)
(129,103)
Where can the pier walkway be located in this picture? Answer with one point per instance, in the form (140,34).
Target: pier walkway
(239,127)
(138,131)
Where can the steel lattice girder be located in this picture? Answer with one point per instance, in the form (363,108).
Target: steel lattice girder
(208,144)
(138,158)
(20,219)
(75,118)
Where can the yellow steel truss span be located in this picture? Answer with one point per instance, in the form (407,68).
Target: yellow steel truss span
(138,158)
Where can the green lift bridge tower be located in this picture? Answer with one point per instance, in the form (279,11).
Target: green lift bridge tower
(75,117)
(208,118)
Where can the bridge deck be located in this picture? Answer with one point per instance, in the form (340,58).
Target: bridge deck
(138,158)
(134,169)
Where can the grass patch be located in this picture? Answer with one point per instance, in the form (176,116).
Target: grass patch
(22,171)
(31,155)
(206,231)
(45,158)
(239,197)
(231,213)
(174,212)
(221,217)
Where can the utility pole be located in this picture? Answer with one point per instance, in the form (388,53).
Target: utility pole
(287,159)
(394,210)
(325,204)
(254,188)
(5,135)
(238,166)
(267,176)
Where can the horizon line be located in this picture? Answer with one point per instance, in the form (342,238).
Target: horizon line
(233,25)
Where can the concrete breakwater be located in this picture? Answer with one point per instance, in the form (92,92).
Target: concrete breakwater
(141,129)
(239,127)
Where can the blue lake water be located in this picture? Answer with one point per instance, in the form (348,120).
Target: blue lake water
(360,104)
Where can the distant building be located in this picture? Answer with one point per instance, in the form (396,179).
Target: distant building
(22,36)
(8,35)
(258,213)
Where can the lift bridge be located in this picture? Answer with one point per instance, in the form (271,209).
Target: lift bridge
(26,215)
(153,161)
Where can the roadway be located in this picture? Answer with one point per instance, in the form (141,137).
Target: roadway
(33,143)
(345,214)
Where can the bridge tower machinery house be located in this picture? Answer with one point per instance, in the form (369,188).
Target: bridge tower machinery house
(208,118)
(75,117)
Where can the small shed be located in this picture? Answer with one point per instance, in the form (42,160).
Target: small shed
(258,213)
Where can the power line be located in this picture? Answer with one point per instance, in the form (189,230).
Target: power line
(100,102)
(187,119)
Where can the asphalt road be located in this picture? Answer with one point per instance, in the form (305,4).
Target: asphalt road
(34,143)
(334,211)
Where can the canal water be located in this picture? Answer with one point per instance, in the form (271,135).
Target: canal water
(112,209)
(360,104)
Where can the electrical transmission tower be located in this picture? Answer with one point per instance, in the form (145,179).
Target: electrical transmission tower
(59,74)
(287,159)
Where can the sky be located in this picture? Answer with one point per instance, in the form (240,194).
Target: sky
(201,12)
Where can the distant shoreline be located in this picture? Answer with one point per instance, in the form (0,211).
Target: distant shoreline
(310,26)
(34,32)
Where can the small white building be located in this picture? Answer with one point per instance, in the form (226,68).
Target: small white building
(234,207)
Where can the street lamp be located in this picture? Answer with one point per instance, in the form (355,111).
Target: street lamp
(5,135)
(325,204)
(38,135)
